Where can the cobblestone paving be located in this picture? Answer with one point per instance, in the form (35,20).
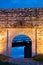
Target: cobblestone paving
(25,62)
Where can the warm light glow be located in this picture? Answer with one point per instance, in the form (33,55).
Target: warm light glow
(31,33)
(1,37)
(1,48)
(2,40)
(40,40)
(26,31)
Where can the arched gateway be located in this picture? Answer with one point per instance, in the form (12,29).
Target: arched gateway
(23,40)
(26,21)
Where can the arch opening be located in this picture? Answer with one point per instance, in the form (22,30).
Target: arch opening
(25,43)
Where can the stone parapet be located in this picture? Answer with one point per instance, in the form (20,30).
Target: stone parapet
(21,17)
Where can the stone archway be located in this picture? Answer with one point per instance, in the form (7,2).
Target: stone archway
(17,31)
(23,40)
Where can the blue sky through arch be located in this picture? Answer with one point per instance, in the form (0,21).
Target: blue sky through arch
(21,38)
(18,52)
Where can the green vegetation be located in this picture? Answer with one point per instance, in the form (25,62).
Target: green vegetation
(38,58)
(6,63)
(3,62)
(4,57)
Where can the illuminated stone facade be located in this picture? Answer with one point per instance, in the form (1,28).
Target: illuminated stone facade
(21,21)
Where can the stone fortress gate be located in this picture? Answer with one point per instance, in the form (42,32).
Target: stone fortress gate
(26,21)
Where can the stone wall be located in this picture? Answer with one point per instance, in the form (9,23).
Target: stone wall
(21,21)
(25,17)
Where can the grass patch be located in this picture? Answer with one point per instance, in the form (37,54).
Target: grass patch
(38,58)
(6,63)
(2,57)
